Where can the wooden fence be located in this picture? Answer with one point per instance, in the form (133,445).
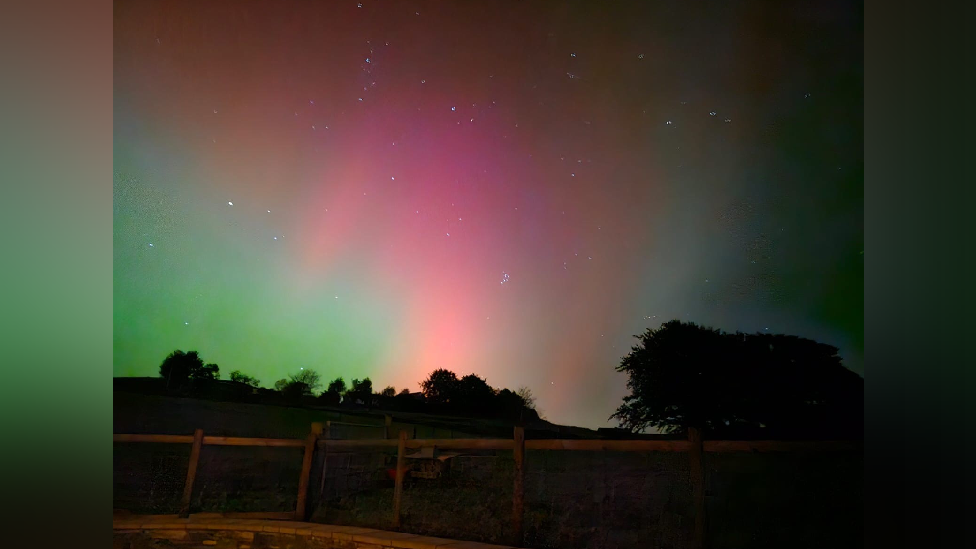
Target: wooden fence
(316,438)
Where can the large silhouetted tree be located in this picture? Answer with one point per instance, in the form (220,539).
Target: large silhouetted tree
(178,368)
(298,385)
(241,377)
(528,399)
(440,388)
(210,372)
(337,386)
(515,405)
(295,390)
(683,375)
(310,378)
(474,396)
(360,389)
(332,395)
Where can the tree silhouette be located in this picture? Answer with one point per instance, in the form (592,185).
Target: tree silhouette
(332,395)
(684,375)
(361,390)
(528,399)
(310,378)
(210,372)
(328,398)
(440,388)
(474,396)
(295,390)
(514,406)
(240,377)
(389,392)
(337,386)
(404,393)
(298,385)
(178,368)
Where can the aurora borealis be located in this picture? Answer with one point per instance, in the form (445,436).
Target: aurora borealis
(511,189)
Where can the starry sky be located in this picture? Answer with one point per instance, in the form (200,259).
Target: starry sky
(512,189)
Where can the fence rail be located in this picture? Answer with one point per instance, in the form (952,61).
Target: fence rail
(319,438)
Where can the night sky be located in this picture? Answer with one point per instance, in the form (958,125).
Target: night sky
(512,189)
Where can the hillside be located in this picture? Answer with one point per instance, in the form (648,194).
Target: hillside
(139,407)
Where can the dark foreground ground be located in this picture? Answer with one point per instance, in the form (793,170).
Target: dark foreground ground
(572,499)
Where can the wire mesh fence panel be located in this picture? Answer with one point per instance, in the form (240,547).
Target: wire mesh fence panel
(149,478)
(784,499)
(466,496)
(607,499)
(358,487)
(246,479)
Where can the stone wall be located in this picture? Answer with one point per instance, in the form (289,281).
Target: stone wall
(168,531)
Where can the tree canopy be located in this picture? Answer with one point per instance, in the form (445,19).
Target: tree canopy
(361,389)
(241,377)
(337,386)
(440,388)
(684,375)
(180,369)
(309,377)
(302,383)
(474,395)
(443,391)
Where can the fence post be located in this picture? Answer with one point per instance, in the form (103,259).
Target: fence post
(400,473)
(698,486)
(387,421)
(325,458)
(518,503)
(191,473)
(310,441)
